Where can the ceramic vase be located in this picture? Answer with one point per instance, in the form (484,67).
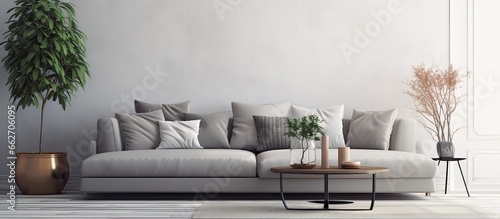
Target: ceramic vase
(445,149)
(41,174)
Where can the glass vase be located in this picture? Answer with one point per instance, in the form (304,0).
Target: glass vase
(302,154)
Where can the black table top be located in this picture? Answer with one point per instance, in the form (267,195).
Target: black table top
(449,158)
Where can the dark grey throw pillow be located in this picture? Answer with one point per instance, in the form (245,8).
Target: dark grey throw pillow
(214,128)
(171,112)
(271,133)
(140,131)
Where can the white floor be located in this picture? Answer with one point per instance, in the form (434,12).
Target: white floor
(75,205)
(489,201)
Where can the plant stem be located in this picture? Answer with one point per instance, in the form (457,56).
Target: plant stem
(41,127)
(44,101)
(302,148)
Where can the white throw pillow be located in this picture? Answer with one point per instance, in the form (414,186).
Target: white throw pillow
(332,122)
(179,134)
(371,130)
(244,131)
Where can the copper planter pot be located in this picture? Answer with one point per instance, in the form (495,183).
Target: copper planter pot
(41,174)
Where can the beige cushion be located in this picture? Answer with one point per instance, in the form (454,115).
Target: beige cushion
(171,112)
(179,134)
(371,130)
(332,122)
(140,130)
(171,163)
(244,132)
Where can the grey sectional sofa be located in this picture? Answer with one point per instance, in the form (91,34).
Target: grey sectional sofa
(111,169)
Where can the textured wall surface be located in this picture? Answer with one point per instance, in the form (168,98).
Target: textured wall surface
(310,53)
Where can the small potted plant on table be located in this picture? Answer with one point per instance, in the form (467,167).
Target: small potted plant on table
(304,131)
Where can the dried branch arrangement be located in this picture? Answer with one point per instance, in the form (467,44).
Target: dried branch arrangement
(435,99)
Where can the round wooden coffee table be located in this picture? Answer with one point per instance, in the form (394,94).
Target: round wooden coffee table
(326,173)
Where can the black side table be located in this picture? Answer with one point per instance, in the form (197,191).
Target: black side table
(448,159)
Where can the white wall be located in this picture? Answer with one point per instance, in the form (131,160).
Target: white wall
(257,51)
(474,46)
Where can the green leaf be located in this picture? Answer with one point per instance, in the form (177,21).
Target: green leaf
(33,101)
(306,127)
(64,49)
(37,63)
(39,37)
(58,46)
(45,52)
(31,55)
(51,24)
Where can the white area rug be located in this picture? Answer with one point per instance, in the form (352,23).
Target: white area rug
(382,209)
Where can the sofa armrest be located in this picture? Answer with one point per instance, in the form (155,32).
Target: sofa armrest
(403,135)
(93,147)
(109,137)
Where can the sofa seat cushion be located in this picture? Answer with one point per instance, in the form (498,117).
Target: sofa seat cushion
(402,165)
(171,163)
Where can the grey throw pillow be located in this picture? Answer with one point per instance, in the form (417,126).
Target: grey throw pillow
(140,131)
(332,122)
(214,128)
(244,132)
(179,134)
(271,133)
(171,112)
(371,130)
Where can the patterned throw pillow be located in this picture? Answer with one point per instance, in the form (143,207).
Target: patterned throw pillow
(244,134)
(271,133)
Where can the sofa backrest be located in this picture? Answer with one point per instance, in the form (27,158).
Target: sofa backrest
(402,136)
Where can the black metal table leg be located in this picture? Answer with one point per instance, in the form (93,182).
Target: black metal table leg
(446,181)
(463,178)
(281,191)
(326,201)
(448,159)
(326,204)
(373,192)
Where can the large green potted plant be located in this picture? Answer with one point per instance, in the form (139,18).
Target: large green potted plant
(46,62)
(304,131)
